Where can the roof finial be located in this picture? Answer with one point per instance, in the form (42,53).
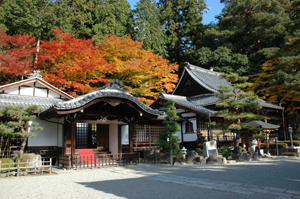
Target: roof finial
(35,74)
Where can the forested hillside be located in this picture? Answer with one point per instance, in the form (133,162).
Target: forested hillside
(80,45)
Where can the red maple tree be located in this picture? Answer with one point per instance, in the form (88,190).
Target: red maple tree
(73,65)
(16,55)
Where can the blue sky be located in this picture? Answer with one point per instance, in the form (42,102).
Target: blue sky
(215,8)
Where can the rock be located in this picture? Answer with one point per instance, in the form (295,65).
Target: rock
(214,160)
(192,156)
(243,157)
(199,160)
(33,159)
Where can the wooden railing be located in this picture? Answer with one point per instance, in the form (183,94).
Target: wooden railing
(23,168)
(98,160)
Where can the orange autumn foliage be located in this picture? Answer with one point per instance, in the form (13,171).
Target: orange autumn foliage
(76,66)
(16,55)
(143,73)
(73,65)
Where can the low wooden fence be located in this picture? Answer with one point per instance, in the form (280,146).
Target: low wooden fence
(24,168)
(98,160)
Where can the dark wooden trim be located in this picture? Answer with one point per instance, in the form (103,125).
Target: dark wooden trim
(101,122)
(73,139)
(119,139)
(130,137)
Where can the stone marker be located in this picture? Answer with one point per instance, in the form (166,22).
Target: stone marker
(210,148)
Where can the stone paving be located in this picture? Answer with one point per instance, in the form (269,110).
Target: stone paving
(269,178)
(234,187)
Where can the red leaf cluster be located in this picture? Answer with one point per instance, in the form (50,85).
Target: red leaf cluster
(16,54)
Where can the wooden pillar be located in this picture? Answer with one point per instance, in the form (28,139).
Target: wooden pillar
(119,139)
(130,137)
(73,137)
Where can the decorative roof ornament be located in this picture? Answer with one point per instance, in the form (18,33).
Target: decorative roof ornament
(35,74)
(114,84)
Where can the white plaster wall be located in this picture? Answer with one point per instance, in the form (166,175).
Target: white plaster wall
(41,92)
(26,91)
(14,90)
(113,138)
(53,94)
(178,133)
(189,137)
(51,135)
(125,134)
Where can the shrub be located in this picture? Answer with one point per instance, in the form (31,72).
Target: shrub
(295,142)
(4,164)
(281,145)
(200,152)
(289,154)
(243,150)
(225,151)
(180,155)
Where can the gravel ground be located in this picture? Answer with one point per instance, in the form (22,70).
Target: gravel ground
(272,178)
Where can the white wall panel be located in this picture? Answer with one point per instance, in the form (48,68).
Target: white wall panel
(14,91)
(113,138)
(125,134)
(53,94)
(26,91)
(47,137)
(40,92)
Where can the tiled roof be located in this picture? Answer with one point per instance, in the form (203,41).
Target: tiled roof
(203,100)
(111,90)
(210,80)
(14,100)
(184,101)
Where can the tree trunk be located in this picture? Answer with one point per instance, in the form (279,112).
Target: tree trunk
(37,48)
(24,140)
(236,150)
(1,143)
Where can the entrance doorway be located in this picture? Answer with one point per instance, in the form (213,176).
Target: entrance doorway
(86,135)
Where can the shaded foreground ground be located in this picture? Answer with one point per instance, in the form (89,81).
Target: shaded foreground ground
(270,178)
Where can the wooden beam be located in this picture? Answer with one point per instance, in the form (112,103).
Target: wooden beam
(130,137)
(73,139)
(119,139)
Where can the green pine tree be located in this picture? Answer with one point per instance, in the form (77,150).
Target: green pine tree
(248,26)
(167,141)
(17,122)
(182,24)
(237,106)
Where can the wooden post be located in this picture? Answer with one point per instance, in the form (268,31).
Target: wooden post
(73,137)
(130,138)
(34,168)
(50,165)
(18,167)
(150,139)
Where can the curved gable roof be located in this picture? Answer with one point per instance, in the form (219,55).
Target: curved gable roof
(112,90)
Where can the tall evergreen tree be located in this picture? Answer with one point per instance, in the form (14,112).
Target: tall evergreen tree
(222,59)
(237,106)
(248,26)
(146,27)
(33,17)
(182,23)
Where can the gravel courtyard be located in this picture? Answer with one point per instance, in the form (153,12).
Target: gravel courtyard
(269,178)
